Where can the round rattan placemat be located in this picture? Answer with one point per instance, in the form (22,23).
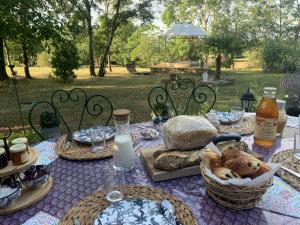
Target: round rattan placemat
(78,151)
(246,126)
(288,160)
(88,209)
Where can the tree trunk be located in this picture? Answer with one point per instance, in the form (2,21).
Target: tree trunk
(11,66)
(3,74)
(108,62)
(26,61)
(111,37)
(90,36)
(218,67)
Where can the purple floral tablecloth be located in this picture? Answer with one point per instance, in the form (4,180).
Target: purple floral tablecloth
(74,181)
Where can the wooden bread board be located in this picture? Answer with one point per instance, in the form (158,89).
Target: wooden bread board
(160,175)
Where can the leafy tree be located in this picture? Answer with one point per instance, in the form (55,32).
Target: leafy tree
(7,29)
(29,23)
(223,45)
(118,12)
(80,24)
(64,60)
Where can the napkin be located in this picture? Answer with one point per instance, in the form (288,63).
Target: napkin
(292,122)
(247,182)
(281,198)
(47,153)
(42,218)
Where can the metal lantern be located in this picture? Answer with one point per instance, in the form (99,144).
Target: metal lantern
(247,100)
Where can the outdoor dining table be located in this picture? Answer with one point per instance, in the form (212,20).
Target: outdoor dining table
(75,180)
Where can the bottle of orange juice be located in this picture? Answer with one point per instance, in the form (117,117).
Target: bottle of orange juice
(266,119)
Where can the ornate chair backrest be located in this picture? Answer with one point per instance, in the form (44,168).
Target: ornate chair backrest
(181,97)
(61,111)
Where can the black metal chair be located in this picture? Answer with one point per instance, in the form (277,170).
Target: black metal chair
(181,97)
(60,111)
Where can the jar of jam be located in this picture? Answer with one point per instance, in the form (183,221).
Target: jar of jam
(4,144)
(19,154)
(1,144)
(3,158)
(22,140)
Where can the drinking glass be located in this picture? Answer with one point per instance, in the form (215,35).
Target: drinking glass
(297,141)
(114,182)
(98,140)
(238,114)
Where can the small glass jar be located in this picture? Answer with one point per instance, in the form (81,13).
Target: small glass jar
(282,117)
(1,144)
(3,158)
(21,140)
(6,148)
(123,157)
(19,154)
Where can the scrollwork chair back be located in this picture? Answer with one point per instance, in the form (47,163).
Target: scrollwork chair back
(72,118)
(181,97)
(48,124)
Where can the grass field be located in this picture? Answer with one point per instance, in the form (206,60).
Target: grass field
(123,89)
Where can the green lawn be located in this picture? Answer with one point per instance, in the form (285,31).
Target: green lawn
(125,91)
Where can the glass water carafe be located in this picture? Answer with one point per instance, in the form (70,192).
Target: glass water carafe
(123,157)
(282,117)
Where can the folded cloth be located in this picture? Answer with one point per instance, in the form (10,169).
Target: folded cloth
(42,218)
(292,122)
(281,198)
(47,153)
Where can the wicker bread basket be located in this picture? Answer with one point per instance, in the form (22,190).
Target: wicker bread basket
(232,196)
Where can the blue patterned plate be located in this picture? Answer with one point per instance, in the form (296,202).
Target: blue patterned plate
(136,212)
(83,136)
(227,117)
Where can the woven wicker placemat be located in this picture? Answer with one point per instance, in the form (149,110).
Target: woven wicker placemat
(288,160)
(78,151)
(246,126)
(88,209)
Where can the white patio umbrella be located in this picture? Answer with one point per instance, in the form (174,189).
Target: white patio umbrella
(185,31)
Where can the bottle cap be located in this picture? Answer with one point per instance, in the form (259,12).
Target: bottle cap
(121,113)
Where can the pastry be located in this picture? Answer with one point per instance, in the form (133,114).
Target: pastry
(188,132)
(211,159)
(243,165)
(173,160)
(233,153)
(225,173)
(230,153)
(262,169)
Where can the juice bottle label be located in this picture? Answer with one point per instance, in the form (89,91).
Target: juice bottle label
(265,128)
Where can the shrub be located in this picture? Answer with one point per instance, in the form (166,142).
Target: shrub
(64,60)
(291,84)
(280,56)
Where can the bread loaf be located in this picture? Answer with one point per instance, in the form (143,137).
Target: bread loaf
(188,132)
(174,160)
